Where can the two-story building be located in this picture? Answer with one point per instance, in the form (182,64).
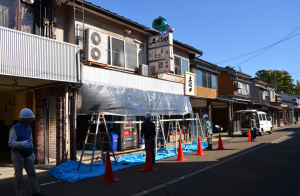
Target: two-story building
(233,94)
(35,73)
(292,111)
(206,86)
(42,71)
(263,96)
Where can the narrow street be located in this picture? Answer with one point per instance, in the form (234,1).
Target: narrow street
(266,167)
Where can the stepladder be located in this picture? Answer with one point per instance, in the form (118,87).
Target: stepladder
(195,129)
(160,136)
(173,132)
(93,135)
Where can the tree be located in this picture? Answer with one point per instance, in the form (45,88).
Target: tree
(284,80)
(297,88)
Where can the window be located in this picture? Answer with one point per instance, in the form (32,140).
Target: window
(213,82)
(271,95)
(198,77)
(181,65)
(264,117)
(208,80)
(8,14)
(204,81)
(260,117)
(244,90)
(27,18)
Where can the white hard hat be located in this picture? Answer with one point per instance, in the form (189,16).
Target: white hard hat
(26,113)
(148,115)
(205,116)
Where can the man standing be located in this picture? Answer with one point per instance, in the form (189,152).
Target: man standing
(22,155)
(252,123)
(208,131)
(148,132)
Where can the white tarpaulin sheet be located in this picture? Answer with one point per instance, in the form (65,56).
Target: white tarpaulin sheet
(112,100)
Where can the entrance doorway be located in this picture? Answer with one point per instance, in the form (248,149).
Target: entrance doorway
(50,130)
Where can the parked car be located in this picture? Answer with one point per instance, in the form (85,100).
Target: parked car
(218,128)
(263,122)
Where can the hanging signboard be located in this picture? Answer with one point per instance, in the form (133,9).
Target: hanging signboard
(160,40)
(160,24)
(160,53)
(162,66)
(189,83)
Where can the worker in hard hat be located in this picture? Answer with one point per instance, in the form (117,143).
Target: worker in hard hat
(253,127)
(22,155)
(148,132)
(209,131)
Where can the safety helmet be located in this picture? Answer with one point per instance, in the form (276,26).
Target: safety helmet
(253,114)
(148,115)
(205,116)
(26,113)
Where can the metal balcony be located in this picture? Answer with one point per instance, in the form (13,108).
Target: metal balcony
(27,55)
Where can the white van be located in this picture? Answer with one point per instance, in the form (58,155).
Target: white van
(263,122)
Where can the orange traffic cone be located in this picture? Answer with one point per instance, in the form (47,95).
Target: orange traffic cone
(180,153)
(148,162)
(109,175)
(249,135)
(200,150)
(220,144)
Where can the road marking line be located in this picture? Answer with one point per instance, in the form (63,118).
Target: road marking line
(48,183)
(185,177)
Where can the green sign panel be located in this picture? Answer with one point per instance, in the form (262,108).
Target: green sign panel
(160,24)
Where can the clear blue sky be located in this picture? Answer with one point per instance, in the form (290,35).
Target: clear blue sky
(224,29)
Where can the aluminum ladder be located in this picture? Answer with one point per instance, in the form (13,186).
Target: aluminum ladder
(195,129)
(170,133)
(161,138)
(96,119)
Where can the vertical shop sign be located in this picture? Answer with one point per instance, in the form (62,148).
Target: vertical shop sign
(190,83)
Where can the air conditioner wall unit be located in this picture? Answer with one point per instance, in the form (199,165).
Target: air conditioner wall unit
(145,70)
(96,46)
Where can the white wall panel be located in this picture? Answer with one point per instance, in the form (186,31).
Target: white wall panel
(122,79)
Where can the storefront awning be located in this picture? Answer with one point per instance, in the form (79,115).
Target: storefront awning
(112,100)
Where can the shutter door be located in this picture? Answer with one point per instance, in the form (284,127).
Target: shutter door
(52,128)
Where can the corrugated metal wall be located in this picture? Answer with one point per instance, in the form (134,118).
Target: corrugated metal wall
(116,78)
(27,55)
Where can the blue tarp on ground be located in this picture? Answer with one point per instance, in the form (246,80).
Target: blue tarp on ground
(68,170)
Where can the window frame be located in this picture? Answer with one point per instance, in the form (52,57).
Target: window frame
(246,89)
(180,57)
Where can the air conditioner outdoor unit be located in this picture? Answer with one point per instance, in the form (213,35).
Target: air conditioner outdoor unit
(144,70)
(96,46)
(238,85)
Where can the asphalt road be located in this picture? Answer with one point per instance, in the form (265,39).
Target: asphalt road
(271,170)
(244,168)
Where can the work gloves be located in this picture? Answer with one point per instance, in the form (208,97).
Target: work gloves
(251,129)
(33,157)
(26,144)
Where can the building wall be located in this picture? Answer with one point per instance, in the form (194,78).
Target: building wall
(57,92)
(225,84)
(254,92)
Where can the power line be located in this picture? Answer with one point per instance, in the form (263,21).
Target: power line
(256,50)
(267,49)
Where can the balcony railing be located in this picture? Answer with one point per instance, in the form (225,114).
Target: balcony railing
(205,92)
(26,55)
